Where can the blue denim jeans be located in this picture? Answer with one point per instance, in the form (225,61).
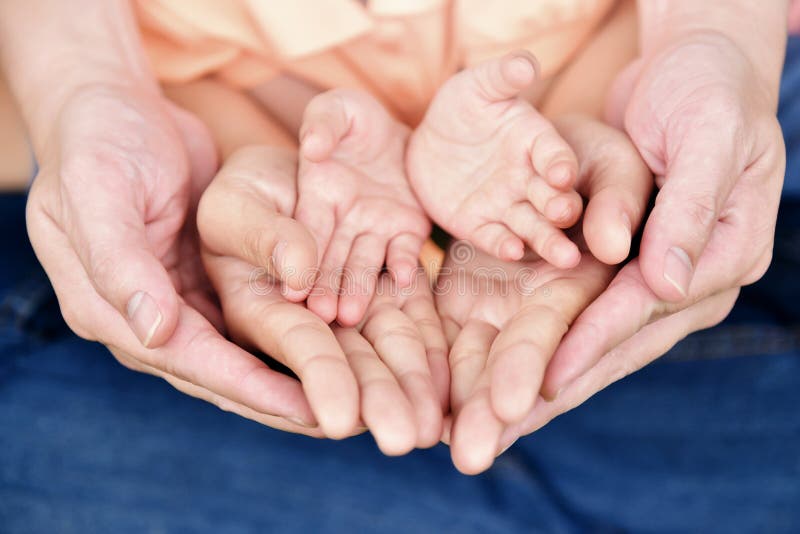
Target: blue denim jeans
(707,439)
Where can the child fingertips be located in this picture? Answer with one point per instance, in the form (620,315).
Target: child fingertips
(561,174)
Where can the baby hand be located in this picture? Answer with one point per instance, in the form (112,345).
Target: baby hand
(488,168)
(355,199)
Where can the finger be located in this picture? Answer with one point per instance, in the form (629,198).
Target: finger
(325,123)
(451,328)
(624,308)
(696,187)
(476,431)
(359,277)
(645,346)
(195,353)
(400,346)
(614,179)
(496,239)
(324,297)
(238,216)
(503,78)
(468,357)
(118,258)
(384,407)
(402,257)
(296,338)
(203,158)
(561,208)
(551,156)
(318,216)
(421,309)
(520,353)
(542,237)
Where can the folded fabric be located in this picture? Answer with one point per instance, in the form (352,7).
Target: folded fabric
(399,50)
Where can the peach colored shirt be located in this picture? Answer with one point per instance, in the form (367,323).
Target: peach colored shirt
(399,50)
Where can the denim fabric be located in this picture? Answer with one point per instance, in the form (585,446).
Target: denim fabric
(707,439)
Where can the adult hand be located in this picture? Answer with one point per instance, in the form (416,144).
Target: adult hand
(702,114)
(111,218)
(504,320)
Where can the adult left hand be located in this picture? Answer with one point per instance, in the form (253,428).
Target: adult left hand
(704,120)
(504,320)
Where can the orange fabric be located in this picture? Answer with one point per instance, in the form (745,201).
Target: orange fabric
(399,50)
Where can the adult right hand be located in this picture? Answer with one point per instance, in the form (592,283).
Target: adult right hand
(111,218)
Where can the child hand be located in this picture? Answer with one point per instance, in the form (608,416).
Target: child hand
(355,199)
(250,248)
(505,328)
(391,371)
(400,363)
(488,168)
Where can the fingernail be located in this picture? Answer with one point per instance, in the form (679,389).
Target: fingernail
(560,173)
(143,316)
(522,69)
(678,269)
(551,398)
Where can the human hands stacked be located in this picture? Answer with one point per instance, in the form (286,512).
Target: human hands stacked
(354,185)
(700,106)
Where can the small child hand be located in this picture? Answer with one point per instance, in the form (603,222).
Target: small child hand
(355,199)
(489,168)
(398,355)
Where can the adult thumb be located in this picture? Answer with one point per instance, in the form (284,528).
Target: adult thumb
(699,176)
(110,236)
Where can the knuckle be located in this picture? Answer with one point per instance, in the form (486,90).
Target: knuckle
(759,269)
(702,209)
(399,335)
(104,264)
(76,321)
(299,333)
(257,246)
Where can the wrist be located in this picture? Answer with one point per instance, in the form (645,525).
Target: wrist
(48,54)
(755,29)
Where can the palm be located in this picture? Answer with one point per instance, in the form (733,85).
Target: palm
(479,172)
(503,321)
(365,190)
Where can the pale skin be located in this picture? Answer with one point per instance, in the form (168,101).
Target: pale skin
(714,144)
(352,175)
(502,333)
(489,168)
(109,142)
(354,198)
(388,374)
(728,35)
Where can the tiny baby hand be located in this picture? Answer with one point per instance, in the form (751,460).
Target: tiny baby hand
(355,199)
(489,168)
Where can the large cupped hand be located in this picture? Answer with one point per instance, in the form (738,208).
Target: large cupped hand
(704,120)
(111,218)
